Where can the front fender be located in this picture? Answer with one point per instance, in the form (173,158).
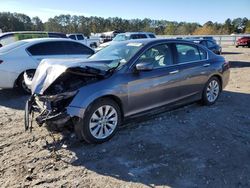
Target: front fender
(88,95)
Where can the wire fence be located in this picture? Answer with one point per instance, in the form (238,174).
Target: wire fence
(223,40)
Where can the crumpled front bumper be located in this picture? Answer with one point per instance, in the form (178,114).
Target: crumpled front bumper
(47,115)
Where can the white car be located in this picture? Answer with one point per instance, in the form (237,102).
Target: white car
(24,56)
(127,36)
(91,42)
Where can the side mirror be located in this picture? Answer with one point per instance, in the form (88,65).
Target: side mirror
(144,66)
(1,45)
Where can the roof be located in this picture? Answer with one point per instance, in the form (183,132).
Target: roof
(28,32)
(74,34)
(46,39)
(130,33)
(153,40)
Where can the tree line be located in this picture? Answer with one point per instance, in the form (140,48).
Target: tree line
(87,25)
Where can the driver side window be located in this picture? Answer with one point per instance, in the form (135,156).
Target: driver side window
(159,55)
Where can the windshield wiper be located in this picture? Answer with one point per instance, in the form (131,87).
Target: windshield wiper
(111,70)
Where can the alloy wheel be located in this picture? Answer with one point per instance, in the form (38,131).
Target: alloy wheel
(103,122)
(213,90)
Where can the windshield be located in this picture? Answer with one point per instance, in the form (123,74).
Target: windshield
(11,46)
(121,37)
(119,53)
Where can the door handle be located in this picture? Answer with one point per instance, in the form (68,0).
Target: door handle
(174,72)
(206,65)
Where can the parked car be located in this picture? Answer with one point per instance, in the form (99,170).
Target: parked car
(243,41)
(108,36)
(200,38)
(123,80)
(128,36)
(211,45)
(25,55)
(93,43)
(209,38)
(10,37)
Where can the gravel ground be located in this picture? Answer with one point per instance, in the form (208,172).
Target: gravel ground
(193,146)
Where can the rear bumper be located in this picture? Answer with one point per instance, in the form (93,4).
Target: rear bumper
(225,77)
(242,43)
(7,79)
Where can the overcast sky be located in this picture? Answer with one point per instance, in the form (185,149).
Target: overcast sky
(199,11)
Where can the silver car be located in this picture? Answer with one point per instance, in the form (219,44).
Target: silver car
(121,81)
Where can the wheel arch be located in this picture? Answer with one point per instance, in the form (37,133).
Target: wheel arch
(116,99)
(19,77)
(219,77)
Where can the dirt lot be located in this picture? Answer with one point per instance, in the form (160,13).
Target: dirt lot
(193,146)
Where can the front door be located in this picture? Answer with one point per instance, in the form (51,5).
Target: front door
(160,86)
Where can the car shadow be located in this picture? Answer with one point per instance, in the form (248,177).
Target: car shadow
(187,147)
(12,98)
(239,64)
(230,53)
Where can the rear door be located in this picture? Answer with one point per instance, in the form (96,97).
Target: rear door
(193,66)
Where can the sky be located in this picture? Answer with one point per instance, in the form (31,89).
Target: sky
(199,11)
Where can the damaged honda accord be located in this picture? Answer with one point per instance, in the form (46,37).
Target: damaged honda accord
(123,80)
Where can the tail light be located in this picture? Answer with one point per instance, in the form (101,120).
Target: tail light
(1,61)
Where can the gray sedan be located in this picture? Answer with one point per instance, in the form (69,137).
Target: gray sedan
(121,81)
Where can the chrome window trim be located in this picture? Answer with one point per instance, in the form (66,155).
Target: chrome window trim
(169,42)
(187,62)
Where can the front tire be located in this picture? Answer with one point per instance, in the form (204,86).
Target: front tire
(211,91)
(100,122)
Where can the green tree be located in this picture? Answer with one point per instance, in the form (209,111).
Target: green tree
(170,29)
(37,24)
(247,30)
(88,25)
(228,27)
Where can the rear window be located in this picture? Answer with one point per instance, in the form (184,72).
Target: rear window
(204,43)
(210,44)
(75,48)
(12,46)
(151,36)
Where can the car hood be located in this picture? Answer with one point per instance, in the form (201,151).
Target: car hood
(50,69)
(103,45)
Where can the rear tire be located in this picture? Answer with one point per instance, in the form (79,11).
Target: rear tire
(211,91)
(21,83)
(100,122)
